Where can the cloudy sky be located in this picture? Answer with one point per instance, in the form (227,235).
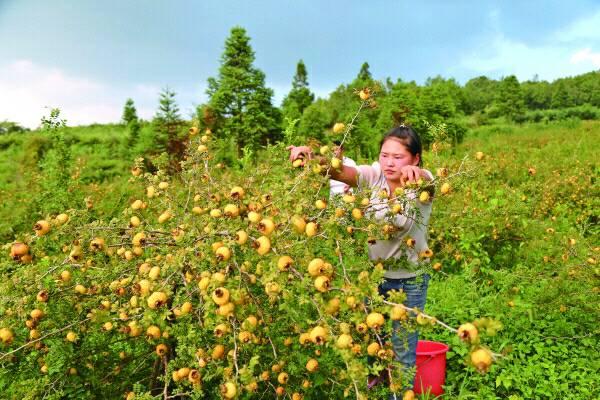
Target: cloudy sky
(87,57)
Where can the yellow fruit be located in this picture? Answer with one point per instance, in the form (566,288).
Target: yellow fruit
(338,127)
(154,273)
(445,189)
(336,163)
(398,313)
(157,299)
(422,319)
(254,217)
(65,276)
(215,213)
(61,219)
(134,221)
(80,289)
(18,250)
(223,253)
(241,237)
(231,210)
(311,229)
(282,378)
(442,172)
(76,254)
(42,296)
(318,335)
(284,263)
(137,204)
(468,332)
(427,253)
(375,320)
(218,352)
(262,245)
(139,239)
(344,341)
(424,197)
(357,214)
(297,163)
(408,395)
(316,267)
(364,94)
(186,308)
(298,223)
(202,148)
(71,336)
(41,227)
(220,296)
(164,217)
(36,313)
(410,242)
(203,283)
(479,155)
(322,283)
(481,359)
(194,377)
(150,191)
(324,150)
(226,309)
(193,130)
(237,192)
(6,335)
(163,185)
(266,226)
(373,349)
(272,288)
(229,390)
(320,204)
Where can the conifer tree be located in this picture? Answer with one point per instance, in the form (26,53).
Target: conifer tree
(239,99)
(364,74)
(166,123)
(130,119)
(129,112)
(300,96)
(510,99)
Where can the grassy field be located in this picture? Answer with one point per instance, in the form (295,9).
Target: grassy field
(517,239)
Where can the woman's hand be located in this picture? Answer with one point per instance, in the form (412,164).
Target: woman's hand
(409,173)
(297,152)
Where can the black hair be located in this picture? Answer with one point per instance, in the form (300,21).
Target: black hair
(408,137)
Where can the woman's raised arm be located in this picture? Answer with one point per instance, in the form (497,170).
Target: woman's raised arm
(348,175)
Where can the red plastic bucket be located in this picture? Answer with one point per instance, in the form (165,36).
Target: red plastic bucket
(431,367)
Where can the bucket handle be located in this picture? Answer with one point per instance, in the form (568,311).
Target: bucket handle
(430,357)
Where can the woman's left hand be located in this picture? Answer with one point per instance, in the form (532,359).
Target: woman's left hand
(410,173)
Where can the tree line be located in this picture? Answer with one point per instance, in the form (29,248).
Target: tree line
(240,111)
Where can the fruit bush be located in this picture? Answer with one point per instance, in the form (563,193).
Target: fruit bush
(213,283)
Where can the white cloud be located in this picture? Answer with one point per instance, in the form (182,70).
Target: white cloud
(27,89)
(585,55)
(502,56)
(586,28)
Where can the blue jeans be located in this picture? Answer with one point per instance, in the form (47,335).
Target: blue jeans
(404,342)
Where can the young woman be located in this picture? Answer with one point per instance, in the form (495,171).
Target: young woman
(399,163)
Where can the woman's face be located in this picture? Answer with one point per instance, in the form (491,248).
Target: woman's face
(393,156)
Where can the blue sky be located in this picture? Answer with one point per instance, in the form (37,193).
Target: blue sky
(88,57)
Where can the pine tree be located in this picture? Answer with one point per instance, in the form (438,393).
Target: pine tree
(510,99)
(300,96)
(166,124)
(130,119)
(129,112)
(364,74)
(239,99)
